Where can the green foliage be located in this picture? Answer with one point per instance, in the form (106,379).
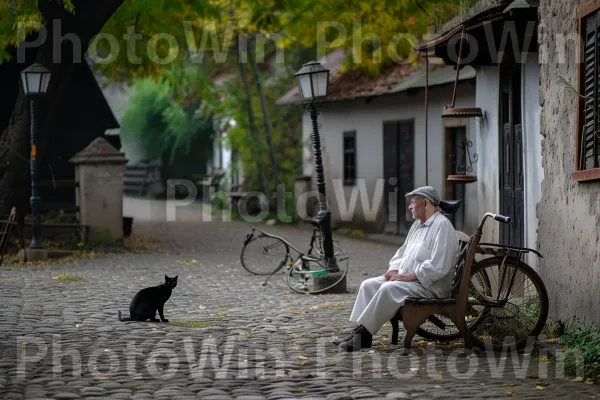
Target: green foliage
(582,343)
(161,119)
(144,121)
(228,104)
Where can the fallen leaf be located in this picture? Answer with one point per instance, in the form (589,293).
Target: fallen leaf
(187,262)
(295,347)
(538,387)
(202,307)
(302,358)
(511,394)
(413,369)
(221,314)
(509,384)
(287,292)
(553,341)
(441,371)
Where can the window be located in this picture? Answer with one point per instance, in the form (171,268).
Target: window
(588,131)
(349,157)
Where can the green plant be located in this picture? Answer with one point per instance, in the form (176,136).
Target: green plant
(582,344)
(161,120)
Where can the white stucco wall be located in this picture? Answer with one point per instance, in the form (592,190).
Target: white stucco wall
(532,154)
(367,120)
(487,148)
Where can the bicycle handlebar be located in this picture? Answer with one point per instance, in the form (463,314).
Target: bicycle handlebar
(502,218)
(497,217)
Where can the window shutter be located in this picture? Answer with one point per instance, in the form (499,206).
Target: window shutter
(589,151)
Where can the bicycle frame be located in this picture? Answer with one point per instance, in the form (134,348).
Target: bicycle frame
(301,255)
(500,302)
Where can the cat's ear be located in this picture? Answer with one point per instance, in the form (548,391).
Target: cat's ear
(176,277)
(166,278)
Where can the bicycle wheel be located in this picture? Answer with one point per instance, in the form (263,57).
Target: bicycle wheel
(301,274)
(514,301)
(442,328)
(262,254)
(318,251)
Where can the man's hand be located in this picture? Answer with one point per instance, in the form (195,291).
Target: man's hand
(404,278)
(390,274)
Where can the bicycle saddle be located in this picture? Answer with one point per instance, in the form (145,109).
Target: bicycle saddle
(313,221)
(450,206)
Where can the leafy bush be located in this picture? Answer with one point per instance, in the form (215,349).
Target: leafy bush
(161,121)
(582,344)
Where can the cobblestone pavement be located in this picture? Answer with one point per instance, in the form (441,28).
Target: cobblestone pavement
(62,340)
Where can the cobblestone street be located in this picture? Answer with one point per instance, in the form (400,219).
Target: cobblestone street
(228,336)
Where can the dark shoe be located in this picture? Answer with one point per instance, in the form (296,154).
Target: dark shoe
(346,337)
(362,339)
(343,339)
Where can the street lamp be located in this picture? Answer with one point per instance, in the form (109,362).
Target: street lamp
(313,80)
(35,80)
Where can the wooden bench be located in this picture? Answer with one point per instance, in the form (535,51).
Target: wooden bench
(417,310)
(211,184)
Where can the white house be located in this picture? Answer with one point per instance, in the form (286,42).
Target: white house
(374,144)
(508,140)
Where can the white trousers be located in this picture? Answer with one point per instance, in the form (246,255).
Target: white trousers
(378,301)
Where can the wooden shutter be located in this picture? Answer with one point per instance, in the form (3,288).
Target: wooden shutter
(589,148)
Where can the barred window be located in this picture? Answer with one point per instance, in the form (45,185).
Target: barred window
(349,157)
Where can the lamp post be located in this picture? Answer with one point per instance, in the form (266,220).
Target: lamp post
(313,80)
(35,80)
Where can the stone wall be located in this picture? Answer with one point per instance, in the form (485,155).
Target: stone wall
(569,211)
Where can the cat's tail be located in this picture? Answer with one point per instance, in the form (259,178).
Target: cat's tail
(123,319)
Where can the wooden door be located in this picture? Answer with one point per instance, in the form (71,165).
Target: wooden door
(512,196)
(398,172)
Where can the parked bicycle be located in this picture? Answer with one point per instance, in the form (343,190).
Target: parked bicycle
(508,302)
(266,254)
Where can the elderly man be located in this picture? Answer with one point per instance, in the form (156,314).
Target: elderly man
(423,267)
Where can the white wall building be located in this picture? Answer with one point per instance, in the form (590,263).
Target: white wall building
(374,147)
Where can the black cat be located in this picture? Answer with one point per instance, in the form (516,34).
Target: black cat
(147,301)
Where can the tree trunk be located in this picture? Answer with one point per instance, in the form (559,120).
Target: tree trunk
(89,19)
(265,115)
(252,132)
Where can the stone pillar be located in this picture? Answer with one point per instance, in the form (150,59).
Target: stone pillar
(99,170)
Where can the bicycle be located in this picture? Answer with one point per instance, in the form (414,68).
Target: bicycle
(300,270)
(492,313)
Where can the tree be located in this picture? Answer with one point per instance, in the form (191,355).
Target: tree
(27,30)
(24,25)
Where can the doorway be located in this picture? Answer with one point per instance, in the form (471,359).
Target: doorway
(512,196)
(398,173)
(454,139)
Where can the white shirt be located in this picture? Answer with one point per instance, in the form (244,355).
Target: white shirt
(430,251)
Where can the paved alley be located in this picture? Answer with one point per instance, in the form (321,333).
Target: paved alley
(228,336)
